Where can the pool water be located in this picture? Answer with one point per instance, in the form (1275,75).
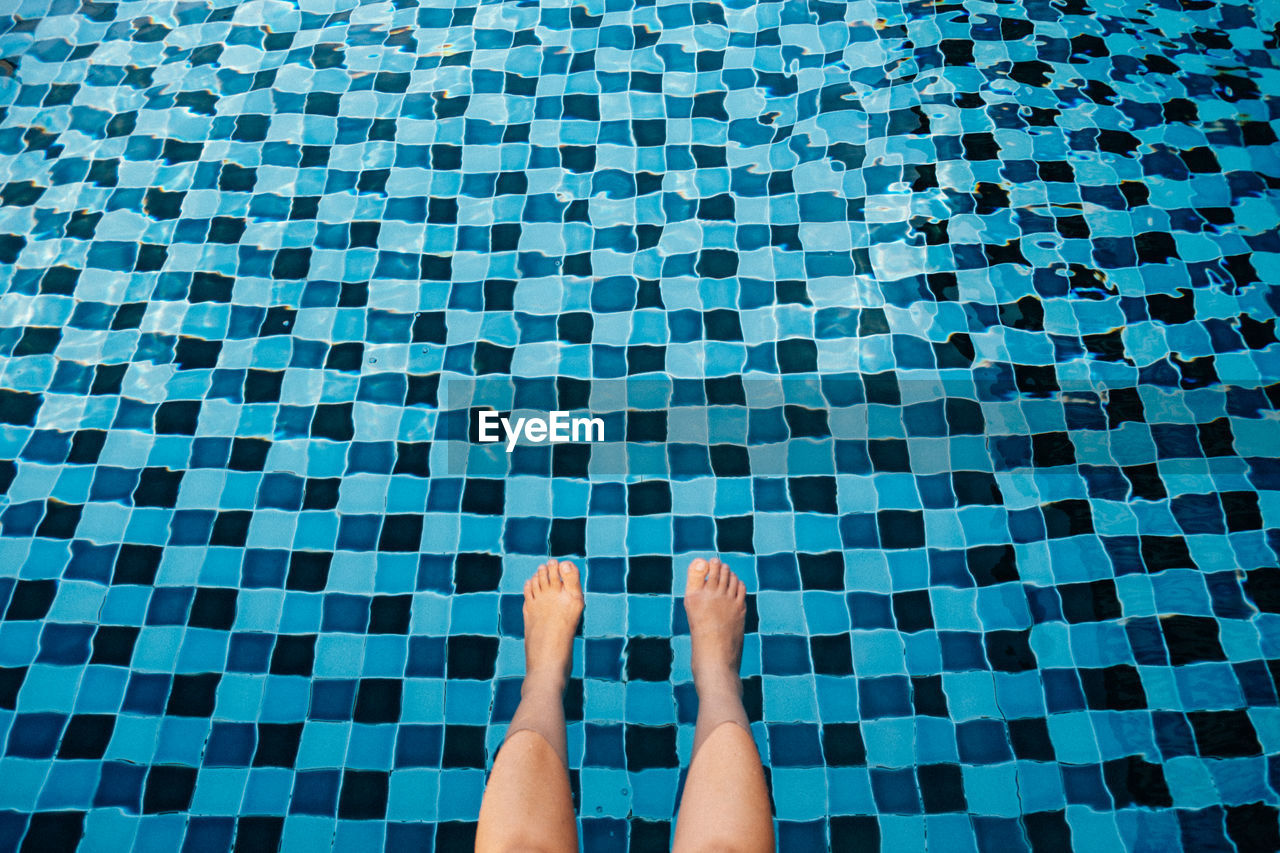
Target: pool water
(1013,565)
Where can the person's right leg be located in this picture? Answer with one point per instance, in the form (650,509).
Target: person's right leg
(725,805)
(527,804)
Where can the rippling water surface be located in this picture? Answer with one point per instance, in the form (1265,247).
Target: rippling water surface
(1003,276)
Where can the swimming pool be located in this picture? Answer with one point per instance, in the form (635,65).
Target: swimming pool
(1016,261)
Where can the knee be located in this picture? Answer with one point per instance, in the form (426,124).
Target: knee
(728,738)
(523,845)
(530,747)
(726,846)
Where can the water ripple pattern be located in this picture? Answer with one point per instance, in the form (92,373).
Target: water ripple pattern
(1033,605)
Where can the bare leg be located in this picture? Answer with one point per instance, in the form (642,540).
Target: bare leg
(725,806)
(527,804)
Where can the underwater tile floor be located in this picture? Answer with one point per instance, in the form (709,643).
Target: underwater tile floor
(1014,580)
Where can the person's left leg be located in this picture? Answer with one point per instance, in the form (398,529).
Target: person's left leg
(725,804)
(527,804)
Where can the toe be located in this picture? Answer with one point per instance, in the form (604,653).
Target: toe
(739,589)
(713,574)
(697,574)
(528,589)
(725,578)
(544,578)
(553,574)
(569,577)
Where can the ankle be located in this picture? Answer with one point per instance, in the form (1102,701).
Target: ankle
(544,680)
(717,681)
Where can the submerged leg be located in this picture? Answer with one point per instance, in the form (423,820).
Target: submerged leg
(725,805)
(527,804)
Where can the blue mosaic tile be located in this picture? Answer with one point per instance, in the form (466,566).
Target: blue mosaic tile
(951,327)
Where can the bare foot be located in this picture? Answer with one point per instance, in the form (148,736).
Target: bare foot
(715,600)
(552,607)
